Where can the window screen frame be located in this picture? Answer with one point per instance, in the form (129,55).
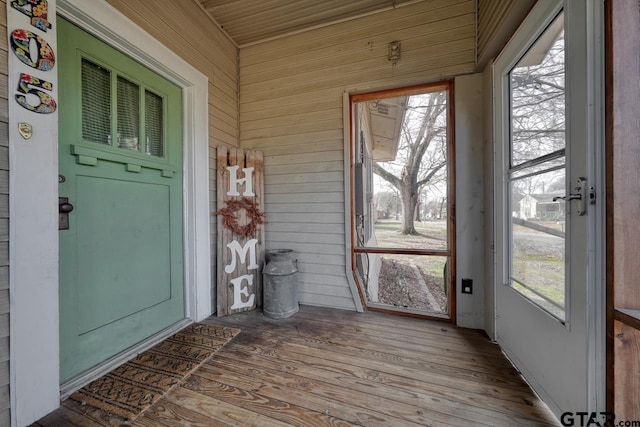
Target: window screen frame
(143,88)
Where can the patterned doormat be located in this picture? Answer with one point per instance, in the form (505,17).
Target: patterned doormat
(133,387)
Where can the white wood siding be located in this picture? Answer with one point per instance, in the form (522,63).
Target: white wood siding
(184,28)
(291,108)
(5,400)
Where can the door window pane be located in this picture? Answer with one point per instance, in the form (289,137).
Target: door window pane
(537,173)
(538,239)
(538,98)
(96,103)
(128,114)
(153,124)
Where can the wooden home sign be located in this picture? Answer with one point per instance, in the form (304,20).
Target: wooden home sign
(240,230)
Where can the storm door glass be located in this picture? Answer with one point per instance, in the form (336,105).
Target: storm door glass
(536,180)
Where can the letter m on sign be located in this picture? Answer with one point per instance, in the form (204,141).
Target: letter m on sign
(240,175)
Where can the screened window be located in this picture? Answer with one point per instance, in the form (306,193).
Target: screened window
(96,103)
(153,124)
(402,222)
(133,121)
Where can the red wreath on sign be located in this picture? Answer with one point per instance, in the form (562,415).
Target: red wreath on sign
(230,219)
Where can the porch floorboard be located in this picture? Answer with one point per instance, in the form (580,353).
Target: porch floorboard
(334,367)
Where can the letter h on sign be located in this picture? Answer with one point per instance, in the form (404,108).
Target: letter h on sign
(234,181)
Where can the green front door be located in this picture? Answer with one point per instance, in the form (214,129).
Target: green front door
(120,166)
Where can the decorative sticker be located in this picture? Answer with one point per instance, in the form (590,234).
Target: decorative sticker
(21,46)
(28,85)
(37,10)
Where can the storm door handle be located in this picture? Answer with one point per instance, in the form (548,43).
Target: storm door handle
(580,196)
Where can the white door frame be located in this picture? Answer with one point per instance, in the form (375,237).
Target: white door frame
(591,19)
(34,339)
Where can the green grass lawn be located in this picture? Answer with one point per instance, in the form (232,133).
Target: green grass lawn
(433,235)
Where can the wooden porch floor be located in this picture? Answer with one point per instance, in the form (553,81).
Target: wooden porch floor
(332,367)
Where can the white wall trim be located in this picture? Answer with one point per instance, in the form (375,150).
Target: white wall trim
(596,295)
(35,384)
(33,242)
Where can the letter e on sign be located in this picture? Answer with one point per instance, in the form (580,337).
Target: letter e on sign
(239,291)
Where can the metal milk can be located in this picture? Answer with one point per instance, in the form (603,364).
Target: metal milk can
(280,284)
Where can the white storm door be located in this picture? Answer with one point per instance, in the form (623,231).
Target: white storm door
(547,82)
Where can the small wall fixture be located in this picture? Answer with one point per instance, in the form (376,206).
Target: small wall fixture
(394,52)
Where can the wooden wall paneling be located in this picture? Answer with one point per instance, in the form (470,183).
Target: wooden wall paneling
(497,20)
(627,371)
(225,116)
(291,101)
(313,178)
(333,113)
(4,103)
(313,146)
(281,227)
(326,57)
(4,182)
(4,132)
(490,14)
(312,105)
(422,15)
(622,32)
(626,152)
(177,25)
(307,207)
(291,109)
(373,71)
(4,325)
(4,229)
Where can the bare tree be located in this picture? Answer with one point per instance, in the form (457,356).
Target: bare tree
(537,103)
(421,157)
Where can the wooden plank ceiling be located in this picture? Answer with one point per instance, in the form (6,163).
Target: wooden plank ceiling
(251,21)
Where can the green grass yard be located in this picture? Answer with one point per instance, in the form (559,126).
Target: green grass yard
(537,264)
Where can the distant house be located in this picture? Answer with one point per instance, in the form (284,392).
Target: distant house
(541,206)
